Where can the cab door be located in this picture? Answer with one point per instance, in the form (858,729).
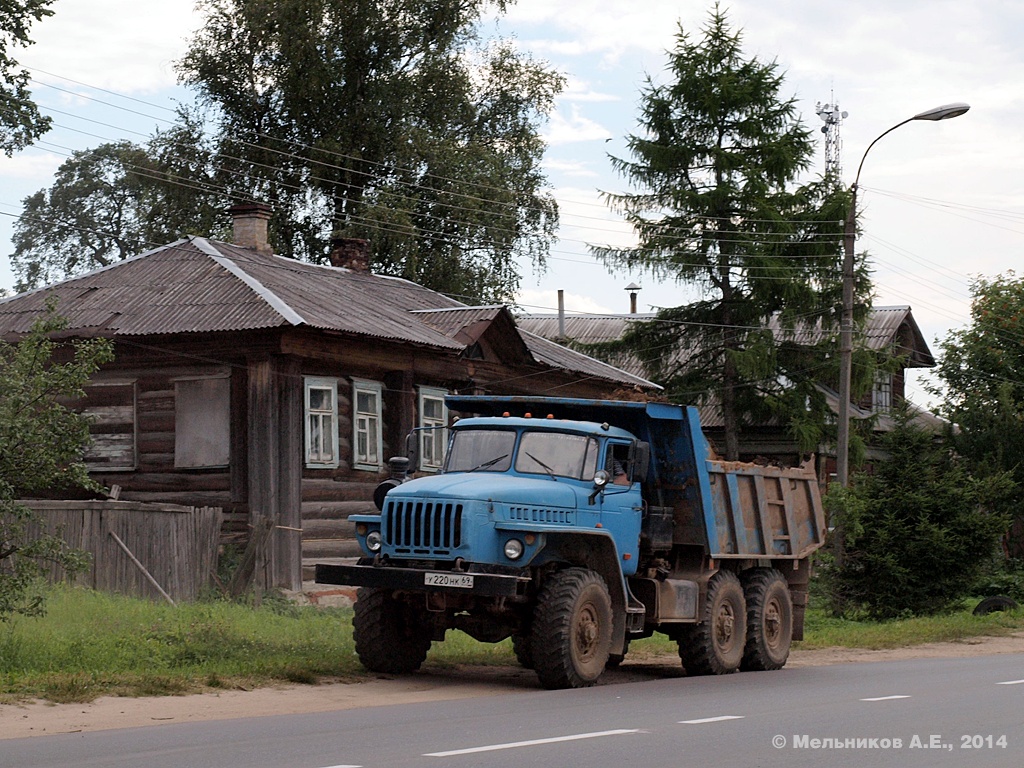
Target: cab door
(621,502)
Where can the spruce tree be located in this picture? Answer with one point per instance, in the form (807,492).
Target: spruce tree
(717,207)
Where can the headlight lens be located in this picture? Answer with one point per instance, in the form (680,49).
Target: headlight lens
(374,541)
(513,549)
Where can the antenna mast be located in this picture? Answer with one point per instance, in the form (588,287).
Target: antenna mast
(831,115)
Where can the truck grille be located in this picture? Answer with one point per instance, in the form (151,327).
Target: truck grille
(541,515)
(422,527)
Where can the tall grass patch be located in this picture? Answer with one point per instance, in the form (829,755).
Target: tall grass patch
(90,644)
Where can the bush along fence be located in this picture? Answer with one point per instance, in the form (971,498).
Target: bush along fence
(160,551)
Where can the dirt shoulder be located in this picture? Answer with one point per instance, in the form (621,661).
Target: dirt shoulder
(430,684)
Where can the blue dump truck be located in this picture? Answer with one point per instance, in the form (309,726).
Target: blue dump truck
(575,526)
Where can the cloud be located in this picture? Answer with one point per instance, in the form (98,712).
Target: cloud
(577,90)
(32,164)
(574,127)
(572,169)
(122,45)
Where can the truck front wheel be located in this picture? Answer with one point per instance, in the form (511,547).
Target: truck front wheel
(390,635)
(769,619)
(572,629)
(715,645)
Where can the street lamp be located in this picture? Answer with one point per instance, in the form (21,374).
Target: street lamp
(944,112)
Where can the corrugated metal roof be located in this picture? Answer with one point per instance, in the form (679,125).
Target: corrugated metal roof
(542,350)
(197,285)
(452,320)
(582,329)
(556,355)
(881,330)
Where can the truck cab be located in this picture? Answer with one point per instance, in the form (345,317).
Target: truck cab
(506,483)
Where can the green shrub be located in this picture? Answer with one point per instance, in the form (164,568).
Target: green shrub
(917,532)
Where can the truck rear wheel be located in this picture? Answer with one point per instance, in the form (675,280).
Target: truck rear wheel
(715,645)
(390,635)
(572,629)
(769,619)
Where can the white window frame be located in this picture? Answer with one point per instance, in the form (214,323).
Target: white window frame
(428,436)
(315,455)
(369,425)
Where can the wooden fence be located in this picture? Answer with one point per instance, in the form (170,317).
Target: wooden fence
(160,551)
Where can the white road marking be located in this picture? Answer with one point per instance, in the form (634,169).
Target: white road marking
(718,719)
(1012,682)
(343,766)
(531,743)
(886,698)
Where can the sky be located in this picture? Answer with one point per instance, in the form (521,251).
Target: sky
(942,202)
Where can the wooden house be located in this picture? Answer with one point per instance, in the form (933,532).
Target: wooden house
(262,385)
(887,328)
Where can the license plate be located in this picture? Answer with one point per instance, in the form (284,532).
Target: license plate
(460,580)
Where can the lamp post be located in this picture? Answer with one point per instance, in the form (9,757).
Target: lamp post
(944,112)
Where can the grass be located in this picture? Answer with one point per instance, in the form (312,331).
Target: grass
(91,644)
(825,631)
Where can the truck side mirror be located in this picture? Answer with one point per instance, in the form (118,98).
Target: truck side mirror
(601,480)
(640,460)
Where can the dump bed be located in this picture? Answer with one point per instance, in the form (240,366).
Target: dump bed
(732,509)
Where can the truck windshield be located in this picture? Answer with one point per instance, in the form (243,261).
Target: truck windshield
(483,450)
(557,453)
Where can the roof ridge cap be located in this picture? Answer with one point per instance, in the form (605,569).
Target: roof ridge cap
(271,298)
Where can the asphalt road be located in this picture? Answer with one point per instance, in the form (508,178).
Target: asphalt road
(925,712)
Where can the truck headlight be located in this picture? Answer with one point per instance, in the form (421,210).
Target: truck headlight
(513,549)
(374,541)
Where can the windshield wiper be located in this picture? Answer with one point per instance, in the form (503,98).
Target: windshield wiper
(545,467)
(490,463)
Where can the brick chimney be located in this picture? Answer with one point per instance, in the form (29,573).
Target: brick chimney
(250,226)
(351,253)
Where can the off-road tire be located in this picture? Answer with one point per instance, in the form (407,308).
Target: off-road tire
(995,603)
(390,635)
(769,619)
(571,629)
(715,645)
(521,648)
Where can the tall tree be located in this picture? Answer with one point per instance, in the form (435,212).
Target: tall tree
(715,165)
(383,119)
(981,370)
(117,200)
(21,122)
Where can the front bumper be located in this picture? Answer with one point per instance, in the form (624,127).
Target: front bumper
(413,580)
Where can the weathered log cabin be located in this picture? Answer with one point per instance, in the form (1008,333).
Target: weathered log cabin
(267,386)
